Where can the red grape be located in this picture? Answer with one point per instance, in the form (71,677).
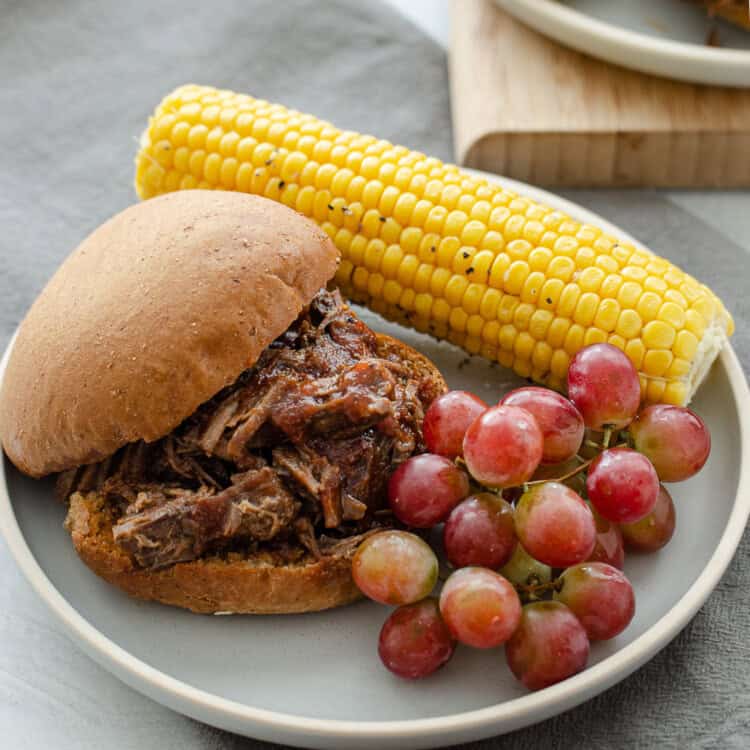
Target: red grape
(555,525)
(503,446)
(479,531)
(675,440)
(655,530)
(549,645)
(609,547)
(600,596)
(523,570)
(414,640)
(447,420)
(395,567)
(622,485)
(561,423)
(604,385)
(425,489)
(480,607)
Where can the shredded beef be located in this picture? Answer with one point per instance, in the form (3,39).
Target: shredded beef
(256,505)
(297,450)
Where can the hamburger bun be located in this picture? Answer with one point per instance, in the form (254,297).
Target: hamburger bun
(154,312)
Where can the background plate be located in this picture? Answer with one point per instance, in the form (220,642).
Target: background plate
(663,37)
(315,680)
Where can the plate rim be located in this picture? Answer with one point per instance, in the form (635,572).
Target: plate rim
(726,66)
(518,712)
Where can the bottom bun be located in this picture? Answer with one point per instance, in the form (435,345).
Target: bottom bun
(258,582)
(255,583)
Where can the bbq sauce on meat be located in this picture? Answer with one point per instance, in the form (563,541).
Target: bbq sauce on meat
(296,451)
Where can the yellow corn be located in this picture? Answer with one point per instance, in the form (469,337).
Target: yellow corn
(444,251)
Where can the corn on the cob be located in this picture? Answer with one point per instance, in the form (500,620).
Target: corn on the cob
(444,251)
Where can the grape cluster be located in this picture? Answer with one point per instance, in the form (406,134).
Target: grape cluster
(538,498)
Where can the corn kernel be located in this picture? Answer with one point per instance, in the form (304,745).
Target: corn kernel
(607,315)
(561,268)
(686,345)
(523,345)
(655,390)
(557,332)
(472,298)
(550,293)
(675,393)
(499,268)
(574,339)
(454,290)
(539,324)
(507,337)
(628,324)
(657,361)
(648,306)
(515,277)
(658,335)
(636,352)
(559,363)
(532,286)
(522,315)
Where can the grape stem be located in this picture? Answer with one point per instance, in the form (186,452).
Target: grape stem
(570,473)
(459,461)
(532,591)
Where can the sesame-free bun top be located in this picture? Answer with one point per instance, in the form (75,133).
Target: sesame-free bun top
(155,312)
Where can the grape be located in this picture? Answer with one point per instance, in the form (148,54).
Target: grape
(600,596)
(503,446)
(604,385)
(549,645)
(395,567)
(655,530)
(447,419)
(609,547)
(480,607)
(555,525)
(622,485)
(414,640)
(561,423)
(479,531)
(675,439)
(523,570)
(425,489)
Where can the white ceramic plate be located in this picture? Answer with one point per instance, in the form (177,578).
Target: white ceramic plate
(663,37)
(315,680)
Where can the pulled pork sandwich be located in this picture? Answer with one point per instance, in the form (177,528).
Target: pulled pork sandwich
(223,425)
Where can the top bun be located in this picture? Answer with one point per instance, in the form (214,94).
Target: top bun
(154,313)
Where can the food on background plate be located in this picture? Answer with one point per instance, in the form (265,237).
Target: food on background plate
(537,562)
(442,250)
(736,11)
(224,425)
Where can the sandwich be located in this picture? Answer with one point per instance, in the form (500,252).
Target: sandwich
(222,425)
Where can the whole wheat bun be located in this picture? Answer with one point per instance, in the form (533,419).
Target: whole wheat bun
(155,312)
(249,584)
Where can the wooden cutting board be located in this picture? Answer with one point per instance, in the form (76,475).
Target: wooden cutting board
(526,107)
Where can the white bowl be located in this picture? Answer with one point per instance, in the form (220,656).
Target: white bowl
(315,680)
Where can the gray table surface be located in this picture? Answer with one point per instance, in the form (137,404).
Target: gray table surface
(77,81)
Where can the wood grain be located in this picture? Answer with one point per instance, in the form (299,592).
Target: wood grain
(529,108)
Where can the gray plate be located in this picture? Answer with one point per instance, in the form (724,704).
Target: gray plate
(315,679)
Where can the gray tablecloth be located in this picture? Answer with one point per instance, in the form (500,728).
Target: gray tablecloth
(77,81)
